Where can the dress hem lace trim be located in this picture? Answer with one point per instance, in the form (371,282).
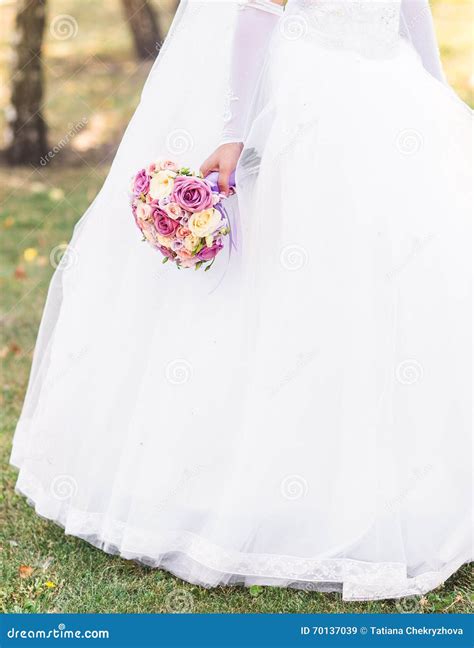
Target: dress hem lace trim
(194,559)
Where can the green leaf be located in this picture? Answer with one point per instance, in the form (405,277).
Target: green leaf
(165,260)
(255,590)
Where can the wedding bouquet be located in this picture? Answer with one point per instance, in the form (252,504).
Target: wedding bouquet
(180,213)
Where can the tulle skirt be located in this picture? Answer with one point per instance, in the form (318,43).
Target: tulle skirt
(300,415)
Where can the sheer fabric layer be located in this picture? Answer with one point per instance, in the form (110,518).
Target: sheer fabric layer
(305,421)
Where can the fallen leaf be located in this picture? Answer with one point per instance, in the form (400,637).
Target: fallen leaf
(8,222)
(20,272)
(14,349)
(50,584)
(25,571)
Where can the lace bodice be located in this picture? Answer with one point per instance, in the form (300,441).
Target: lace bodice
(370,27)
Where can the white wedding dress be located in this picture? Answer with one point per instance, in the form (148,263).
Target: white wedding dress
(300,415)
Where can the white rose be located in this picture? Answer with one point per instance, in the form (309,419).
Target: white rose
(174,211)
(204,223)
(161,185)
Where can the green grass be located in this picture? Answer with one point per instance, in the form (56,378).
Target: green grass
(41,570)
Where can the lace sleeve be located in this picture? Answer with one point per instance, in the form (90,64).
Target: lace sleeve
(255,24)
(417,26)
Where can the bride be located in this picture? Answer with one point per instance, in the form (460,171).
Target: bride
(300,415)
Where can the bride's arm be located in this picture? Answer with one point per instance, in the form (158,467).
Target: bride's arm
(417,26)
(255,24)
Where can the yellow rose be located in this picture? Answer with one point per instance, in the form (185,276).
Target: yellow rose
(163,240)
(161,185)
(191,242)
(205,222)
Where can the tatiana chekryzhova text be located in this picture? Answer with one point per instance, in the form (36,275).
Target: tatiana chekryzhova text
(412,630)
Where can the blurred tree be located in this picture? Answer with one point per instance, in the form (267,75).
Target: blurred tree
(143,23)
(26,123)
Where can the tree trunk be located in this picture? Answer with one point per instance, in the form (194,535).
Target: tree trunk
(144,26)
(28,128)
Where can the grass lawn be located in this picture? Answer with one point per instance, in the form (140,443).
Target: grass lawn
(41,570)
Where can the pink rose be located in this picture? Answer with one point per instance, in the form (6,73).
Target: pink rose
(168,164)
(182,232)
(165,225)
(141,183)
(208,253)
(174,211)
(188,263)
(166,251)
(192,194)
(185,254)
(186,259)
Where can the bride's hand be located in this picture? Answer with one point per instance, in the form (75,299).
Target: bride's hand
(224,160)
